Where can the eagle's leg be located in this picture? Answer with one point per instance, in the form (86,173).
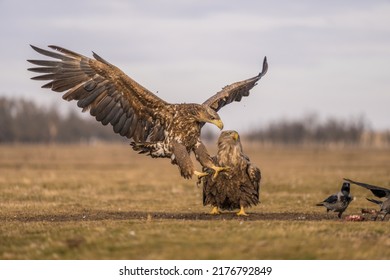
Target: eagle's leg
(205,160)
(182,158)
(215,211)
(242,212)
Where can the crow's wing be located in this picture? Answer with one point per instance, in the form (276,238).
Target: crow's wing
(377,191)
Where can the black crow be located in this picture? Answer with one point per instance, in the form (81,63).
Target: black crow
(378,192)
(338,202)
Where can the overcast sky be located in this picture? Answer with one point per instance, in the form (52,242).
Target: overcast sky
(326,57)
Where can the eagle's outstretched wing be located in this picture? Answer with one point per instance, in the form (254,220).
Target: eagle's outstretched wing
(108,93)
(235,91)
(377,191)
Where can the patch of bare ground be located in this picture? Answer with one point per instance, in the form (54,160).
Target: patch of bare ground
(135,215)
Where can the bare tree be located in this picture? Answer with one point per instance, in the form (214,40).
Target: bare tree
(23,121)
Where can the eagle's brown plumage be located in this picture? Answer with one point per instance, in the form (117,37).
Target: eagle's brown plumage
(238,187)
(157,128)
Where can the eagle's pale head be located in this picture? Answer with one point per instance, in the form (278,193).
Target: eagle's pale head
(208,115)
(229,148)
(229,137)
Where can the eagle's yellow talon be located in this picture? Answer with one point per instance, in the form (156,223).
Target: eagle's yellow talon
(242,212)
(215,211)
(218,169)
(200,174)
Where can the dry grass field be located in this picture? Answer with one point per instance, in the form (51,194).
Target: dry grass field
(107,202)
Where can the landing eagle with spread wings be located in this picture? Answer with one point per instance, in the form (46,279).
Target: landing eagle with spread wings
(157,128)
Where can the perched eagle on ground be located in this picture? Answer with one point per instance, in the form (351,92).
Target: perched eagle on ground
(378,192)
(157,128)
(239,186)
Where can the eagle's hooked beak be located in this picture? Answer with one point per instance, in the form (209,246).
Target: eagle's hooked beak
(218,123)
(235,136)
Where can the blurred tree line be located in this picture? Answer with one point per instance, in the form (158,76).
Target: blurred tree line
(23,121)
(310,129)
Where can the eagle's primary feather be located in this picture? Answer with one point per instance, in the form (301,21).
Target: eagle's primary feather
(157,128)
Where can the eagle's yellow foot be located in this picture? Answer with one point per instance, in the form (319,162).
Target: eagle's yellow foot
(218,169)
(215,211)
(200,174)
(242,212)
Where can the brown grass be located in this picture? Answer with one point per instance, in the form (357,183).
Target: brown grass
(106,202)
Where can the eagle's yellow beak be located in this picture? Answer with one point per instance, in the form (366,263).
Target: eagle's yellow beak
(235,136)
(218,123)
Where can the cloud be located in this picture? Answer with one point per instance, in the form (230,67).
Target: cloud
(321,53)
